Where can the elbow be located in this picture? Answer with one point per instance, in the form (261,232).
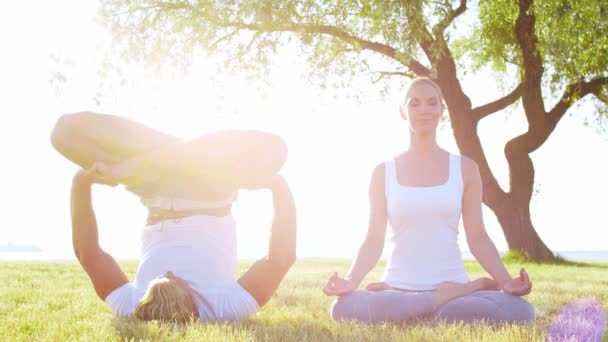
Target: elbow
(87,258)
(288,261)
(284,262)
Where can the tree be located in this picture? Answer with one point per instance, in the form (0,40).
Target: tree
(548,51)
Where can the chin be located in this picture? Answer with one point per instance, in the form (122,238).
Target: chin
(425,130)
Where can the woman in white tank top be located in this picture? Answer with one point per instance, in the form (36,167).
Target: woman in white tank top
(422,193)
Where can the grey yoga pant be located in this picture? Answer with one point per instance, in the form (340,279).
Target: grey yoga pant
(394,306)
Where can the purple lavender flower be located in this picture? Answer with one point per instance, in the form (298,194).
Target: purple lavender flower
(580,320)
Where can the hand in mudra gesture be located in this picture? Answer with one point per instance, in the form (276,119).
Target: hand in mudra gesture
(337,286)
(519,286)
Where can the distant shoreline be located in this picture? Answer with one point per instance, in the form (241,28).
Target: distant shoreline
(35,253)
(11,248)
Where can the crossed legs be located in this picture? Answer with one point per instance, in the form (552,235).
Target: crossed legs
(451,302)
(86,138)
(232,158)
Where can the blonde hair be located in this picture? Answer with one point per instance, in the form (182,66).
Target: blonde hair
(422,80)
(165,301)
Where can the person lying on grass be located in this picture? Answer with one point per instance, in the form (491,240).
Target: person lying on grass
(188,266)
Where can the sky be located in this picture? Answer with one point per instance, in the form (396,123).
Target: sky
(334,143)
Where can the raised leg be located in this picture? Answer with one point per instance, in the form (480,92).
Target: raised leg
(138,154)
(86,137)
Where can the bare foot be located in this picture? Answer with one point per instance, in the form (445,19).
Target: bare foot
(378,286)
(448,290)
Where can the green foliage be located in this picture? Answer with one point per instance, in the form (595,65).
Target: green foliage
(55,302)
(246,35)
(572,38)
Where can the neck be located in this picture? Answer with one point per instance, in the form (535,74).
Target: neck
(423,144)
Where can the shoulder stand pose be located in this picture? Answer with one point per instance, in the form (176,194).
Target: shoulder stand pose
(422,193)
(188,267)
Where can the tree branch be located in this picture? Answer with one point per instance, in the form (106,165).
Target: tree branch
(532,98)
(214,45)
(574,92)
(493,107)
(452,14)
(329,30)
(383,74)
(415,17)
(346,37)
(601,96)
(328,60)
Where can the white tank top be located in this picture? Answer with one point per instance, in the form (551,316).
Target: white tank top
(424,231)
(202,250)
(199,249)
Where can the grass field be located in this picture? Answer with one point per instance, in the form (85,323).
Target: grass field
(54,301)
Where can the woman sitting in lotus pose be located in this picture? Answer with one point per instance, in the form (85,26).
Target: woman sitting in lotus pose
(422,193)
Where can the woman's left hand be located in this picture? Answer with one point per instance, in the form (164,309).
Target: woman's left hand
(519,286)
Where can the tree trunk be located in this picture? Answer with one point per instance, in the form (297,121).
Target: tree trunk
(514,217)
(513,208)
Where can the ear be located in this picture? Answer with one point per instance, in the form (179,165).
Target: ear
(403,112)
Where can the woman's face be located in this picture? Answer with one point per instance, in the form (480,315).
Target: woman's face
(423,108)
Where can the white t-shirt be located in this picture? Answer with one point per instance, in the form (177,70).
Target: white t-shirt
(202,251)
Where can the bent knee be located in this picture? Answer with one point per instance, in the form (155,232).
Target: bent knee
(68,123)
(490,306)
(344,308)
(522,312)
(512,309)
(337,311)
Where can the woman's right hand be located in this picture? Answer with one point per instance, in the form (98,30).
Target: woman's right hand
(103,173)
(337,286)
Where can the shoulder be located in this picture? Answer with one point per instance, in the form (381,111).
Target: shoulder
(378,173)
(468,164)
(379,170)
(470,169)
(123,300)
(378,177)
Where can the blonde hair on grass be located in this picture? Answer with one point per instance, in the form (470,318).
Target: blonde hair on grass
(165,301)
(422,80)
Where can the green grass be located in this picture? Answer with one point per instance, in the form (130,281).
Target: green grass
(54,301)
